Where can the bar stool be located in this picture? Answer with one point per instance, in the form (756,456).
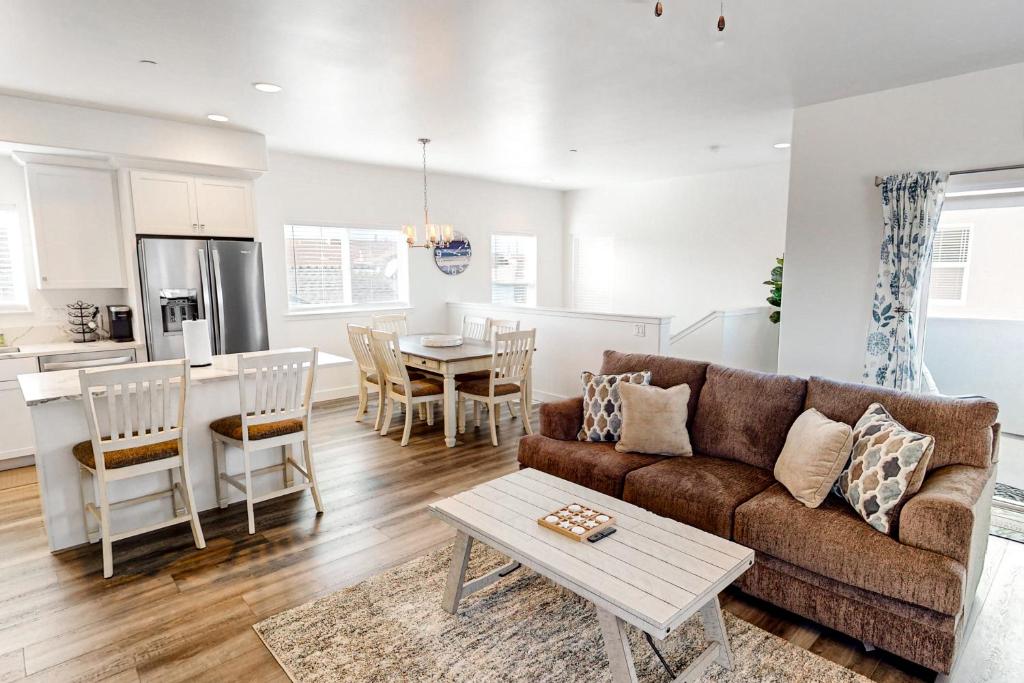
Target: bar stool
(275,397)
(507,380)
(135,430)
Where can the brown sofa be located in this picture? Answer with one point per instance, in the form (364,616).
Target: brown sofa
(909,593)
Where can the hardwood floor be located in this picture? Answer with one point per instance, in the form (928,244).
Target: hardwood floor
(173,613)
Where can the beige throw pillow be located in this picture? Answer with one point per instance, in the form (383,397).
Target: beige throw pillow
(816,451)
(654,420)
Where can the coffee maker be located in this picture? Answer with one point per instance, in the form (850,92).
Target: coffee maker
(120,318)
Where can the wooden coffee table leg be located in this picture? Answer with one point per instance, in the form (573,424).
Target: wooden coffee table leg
(457,572)
(620,659)
(714,630)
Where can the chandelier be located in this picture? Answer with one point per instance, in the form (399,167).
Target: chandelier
(434,234)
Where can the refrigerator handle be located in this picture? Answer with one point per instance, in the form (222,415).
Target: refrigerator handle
(215,257)
(204,286)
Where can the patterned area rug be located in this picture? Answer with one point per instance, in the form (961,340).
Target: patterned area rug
(524,628)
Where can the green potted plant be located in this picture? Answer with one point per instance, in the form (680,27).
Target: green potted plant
(775,283)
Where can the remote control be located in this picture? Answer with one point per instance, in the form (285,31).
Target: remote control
(594,538)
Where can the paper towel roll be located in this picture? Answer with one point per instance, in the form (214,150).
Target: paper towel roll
(196,334)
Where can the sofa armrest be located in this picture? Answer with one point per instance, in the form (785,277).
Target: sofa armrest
(562,419)
(950,512)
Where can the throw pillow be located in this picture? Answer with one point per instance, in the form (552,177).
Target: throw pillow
(602,405)
(886,468)
(816,451)
(654,420)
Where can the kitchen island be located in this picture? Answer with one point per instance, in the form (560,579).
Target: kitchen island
(54,400)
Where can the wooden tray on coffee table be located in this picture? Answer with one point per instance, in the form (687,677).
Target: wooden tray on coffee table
(577,521)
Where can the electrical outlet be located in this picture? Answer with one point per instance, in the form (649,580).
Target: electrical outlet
(639,330)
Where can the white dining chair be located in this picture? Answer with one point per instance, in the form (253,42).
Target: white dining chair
(392,322)
(136,419)
(275,399)
(369,374)
(475,327)
(499,326)
(507,380)
(397,385)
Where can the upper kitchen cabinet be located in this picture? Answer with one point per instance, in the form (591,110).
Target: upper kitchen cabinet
(193,206)
(76,227)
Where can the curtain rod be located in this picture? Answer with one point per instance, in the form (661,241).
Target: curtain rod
(1014,167)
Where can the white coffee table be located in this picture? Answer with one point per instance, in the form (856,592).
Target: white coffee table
(653,573)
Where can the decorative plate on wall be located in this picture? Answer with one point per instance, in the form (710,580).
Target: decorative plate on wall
(454,259)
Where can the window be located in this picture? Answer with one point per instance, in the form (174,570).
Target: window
(950,259)
(331,267)
(13,294)
(591,274)
(514,269)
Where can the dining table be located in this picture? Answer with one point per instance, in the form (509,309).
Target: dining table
(471,355)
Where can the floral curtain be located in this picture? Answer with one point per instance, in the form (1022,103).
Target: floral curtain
(911,204)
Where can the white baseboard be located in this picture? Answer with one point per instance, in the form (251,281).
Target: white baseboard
(333,393)
(12,463)
(545,397)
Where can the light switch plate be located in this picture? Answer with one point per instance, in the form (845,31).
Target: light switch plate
(639,330)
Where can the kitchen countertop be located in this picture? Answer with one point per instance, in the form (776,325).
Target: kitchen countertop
(36,350)
(43,387)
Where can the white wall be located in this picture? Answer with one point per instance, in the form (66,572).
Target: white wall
(306,189)
(569,342)
(686,246)
(740,338)
(834,228)
(27,122)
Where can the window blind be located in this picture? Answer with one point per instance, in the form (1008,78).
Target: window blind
(12,288)
(592,273)
(514,269)
(950,261)
(334,266)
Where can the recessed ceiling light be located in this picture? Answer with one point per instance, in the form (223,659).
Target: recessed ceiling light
(147,61)
(782,145)
(220,118)
(267,87)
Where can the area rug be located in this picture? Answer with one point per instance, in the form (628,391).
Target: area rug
(391,627)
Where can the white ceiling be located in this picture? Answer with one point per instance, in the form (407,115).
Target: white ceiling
(504,87)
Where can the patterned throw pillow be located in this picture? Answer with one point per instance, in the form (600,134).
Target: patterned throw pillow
(602,405)
(886,468)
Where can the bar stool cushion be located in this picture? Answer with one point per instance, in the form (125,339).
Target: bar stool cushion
(422,387)
(125,457)
(231,427)
(481,387)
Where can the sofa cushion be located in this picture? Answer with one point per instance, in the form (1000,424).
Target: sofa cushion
(745,415)
(654,420)
(816,451)
(665,372)
(701,490)
(833,541)
(602,404)
(597,466)
(886,467)
(962,427)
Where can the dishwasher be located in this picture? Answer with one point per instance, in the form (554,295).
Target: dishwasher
(86,359)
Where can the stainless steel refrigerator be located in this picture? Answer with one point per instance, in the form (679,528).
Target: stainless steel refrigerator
(219,280)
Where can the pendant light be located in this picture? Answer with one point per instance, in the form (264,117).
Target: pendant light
(434,234)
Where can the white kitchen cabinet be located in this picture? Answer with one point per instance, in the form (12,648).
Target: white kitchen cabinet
(15,421)
(192,206)
(76,227)
(164,203)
